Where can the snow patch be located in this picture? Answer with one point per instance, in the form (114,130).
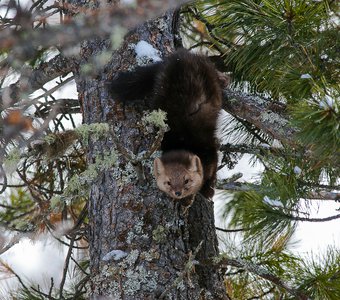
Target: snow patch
(272,202)
(265,146)
(132,3)
(327,102)
(297,170)
(115,255)
(306,76)
(146,51)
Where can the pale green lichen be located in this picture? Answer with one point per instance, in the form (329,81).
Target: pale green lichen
(130,237)
(117,35)
(50,138)
(159,235)
(103,58)
(100,282)
(23,225)
(86,69)
(180,285)
(126,175)
(219,258)
(76,186)
(138,227)
(12,160)
(79,184)
(56,203)
(94,131)
(131,276)
(273,118)
(131,259)
(157,118)
(135,232)
(108,161)
(139,279)
(150,256)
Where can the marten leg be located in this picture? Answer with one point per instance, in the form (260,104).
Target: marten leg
(186,203)
(208,188)
(209,169)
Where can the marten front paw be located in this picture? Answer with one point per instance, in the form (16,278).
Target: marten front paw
(187,201)
(186,204)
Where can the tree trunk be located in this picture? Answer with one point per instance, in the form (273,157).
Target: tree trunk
(141,244)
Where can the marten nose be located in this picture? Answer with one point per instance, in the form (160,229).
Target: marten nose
(178,194)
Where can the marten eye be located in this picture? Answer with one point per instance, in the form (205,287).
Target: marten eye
(186,181)
(168,183)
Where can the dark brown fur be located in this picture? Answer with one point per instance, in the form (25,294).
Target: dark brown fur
(186,86)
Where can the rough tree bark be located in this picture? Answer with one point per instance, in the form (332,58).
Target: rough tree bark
(141,244)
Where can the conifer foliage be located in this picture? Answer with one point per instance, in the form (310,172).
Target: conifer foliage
(287,53)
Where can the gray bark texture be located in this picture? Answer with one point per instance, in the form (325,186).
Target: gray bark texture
(142,245)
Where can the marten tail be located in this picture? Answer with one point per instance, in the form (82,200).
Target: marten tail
(137,84)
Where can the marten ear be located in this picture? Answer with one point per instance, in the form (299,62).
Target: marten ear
(195,164)
(158,167)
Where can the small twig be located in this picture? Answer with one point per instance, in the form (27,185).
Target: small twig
(19,279)
(51,287)
(294,218)
(42,294)
(13,242)
(79,287)
(79,266)
(4,178)
(155,145)
(231,230)
(48,92)
(66,265)
(50,230)
(129,155)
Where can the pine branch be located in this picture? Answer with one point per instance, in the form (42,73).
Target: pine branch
(210,28)
(313,219)
(245,187)
(93,24)
(250,149)
(33,79)
(258,111)
(261,272)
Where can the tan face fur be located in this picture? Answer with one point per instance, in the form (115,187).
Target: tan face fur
(177,180)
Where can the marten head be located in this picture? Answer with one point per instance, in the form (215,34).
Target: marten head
(178,173)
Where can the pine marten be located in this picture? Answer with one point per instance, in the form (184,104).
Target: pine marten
(186,86)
